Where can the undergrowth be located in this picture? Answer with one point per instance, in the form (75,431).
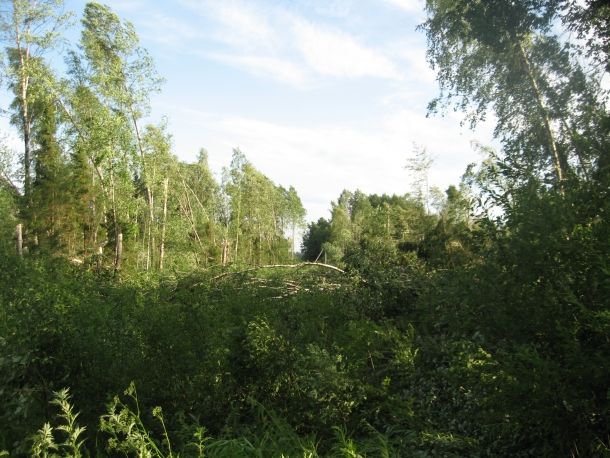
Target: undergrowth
(505,354)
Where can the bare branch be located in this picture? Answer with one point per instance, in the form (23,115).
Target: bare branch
(278,266)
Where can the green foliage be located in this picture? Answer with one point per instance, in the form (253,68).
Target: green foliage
(393,358)
(316,235)
(257,215)
(127,432)
(202,348)
(477,330)
(9,195)
(359,219)
(548,270)
(501,55)
(95,172)
(418,166)
(43,442)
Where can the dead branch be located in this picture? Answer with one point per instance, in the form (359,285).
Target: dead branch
(279,266)
(9,184)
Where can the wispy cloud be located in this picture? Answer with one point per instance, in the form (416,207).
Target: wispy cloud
(340,55)
(332,8)
(273,42)
(169,30)
(412,52)
(243,25)
(267,67)
(407,5)
(322,160)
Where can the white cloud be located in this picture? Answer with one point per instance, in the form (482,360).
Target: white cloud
(332,8)
(165,29)
(258,37)
(338,54)
(281,70)
(271,40)
(412,53)
(397,98)
(241,18)
(244,25)
(407,5)
(320,161)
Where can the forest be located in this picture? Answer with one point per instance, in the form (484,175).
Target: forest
(149,309)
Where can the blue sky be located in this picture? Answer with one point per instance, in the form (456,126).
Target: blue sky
(319,94)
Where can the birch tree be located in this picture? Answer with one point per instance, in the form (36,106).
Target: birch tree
(295,214)
(123,76)
(418,167)
(501,56)
(29,29)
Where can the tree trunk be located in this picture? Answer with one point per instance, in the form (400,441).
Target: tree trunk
(19,241)
(162,248)
(100,252)
(576,149)
(543,113)
(117,260)
(119,252)
(293,236)
(148,246)
(187,210)
(24,54)
(225,249)
(27,160)
(149,194)
(151,238)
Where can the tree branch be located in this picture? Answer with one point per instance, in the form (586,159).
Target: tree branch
(276,266)
(9,184)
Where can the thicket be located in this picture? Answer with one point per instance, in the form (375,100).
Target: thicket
(505,354)
(469,323)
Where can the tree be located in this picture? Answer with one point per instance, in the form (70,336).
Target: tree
(295,213)
(591,21)
(50,194)
(97,137)
(317,234)
(341,220)
(234,183)
(501,54)
(418,167)
(255,212)
(29,29)
(9,192)
(122,76)
(8,167)
(199,187)
(157,160)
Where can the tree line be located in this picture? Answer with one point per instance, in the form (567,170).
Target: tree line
(96,182)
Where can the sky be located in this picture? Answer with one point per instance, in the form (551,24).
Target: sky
(324,95)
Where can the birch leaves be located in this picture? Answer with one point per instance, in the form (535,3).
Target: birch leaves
(29,29)
(259,214)
(100,179)
(500,55)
